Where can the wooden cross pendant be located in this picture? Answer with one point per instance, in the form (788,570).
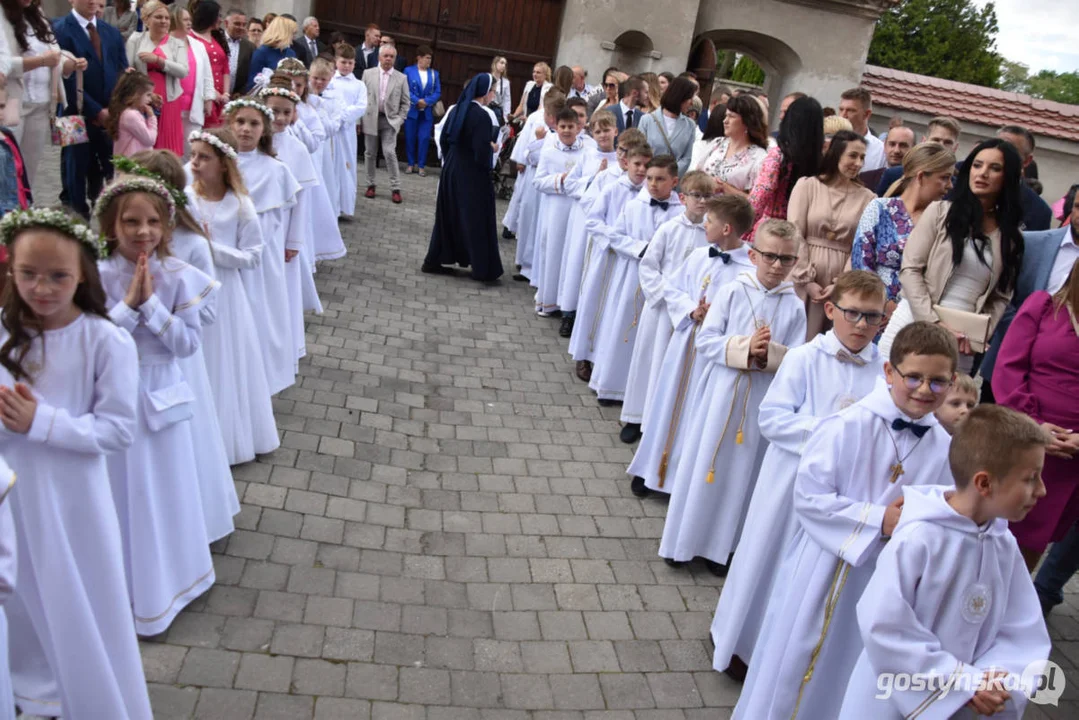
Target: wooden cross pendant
(897,470)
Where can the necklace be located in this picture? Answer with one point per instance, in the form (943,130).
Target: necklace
(759,322)
(897,469)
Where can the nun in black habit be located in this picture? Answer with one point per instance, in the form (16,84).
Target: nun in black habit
(465,233)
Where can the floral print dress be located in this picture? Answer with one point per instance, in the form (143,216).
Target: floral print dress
(769,196)
(879,241)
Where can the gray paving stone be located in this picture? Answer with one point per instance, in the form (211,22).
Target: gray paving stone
(220,704)
(264,672)
(209,668)
(319,677)
(172,703)
(277,706)
(341,709)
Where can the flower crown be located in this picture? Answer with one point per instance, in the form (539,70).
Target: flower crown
(18,220)
(296,70)
(280,92)
(246,103)
(205,137)
(129,167)
(135,184)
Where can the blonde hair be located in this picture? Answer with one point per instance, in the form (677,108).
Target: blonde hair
(176,17)
(697,181)
(150,8)
(602,119)
(280,32)
(781,230)
(546,70)
(965,383)
(655,95)
(233,176)
(835,123)
(321,64)
(494,64)
(110,217)
(927,158)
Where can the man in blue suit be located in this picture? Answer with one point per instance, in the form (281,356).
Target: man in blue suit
(1048,257)
(88,166)
(424,89)
(627,113)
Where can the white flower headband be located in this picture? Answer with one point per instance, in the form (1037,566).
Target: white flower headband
(205,137)
(16,221)
(135,184)
(281,92)
(253,104)
(284,66)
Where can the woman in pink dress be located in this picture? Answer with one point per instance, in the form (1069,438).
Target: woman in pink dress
(205,28)
(1036,374)
(164,59)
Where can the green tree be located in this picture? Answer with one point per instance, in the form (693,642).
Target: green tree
(1014,76)
(1061,87)
(950,39)
(747,71)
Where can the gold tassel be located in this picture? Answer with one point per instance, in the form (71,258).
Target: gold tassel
(711,477)
(663,468)
(738,437)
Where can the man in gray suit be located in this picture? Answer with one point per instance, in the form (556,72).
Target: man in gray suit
(388,103)
(1048,257)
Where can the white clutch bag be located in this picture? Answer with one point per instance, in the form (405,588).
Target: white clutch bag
(973,325)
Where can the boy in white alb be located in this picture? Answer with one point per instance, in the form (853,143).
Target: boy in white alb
(557,161)
(604,130)
(347,96)
(951,601)
(687,297)
(822,377)
(628,240)
(744,337)
(604,212)
(848,496)
(669,248)
(526,152)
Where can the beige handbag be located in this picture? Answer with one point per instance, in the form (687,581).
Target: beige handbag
(973,325)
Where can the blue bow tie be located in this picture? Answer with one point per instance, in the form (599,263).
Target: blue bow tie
(919,431)
(714,252)
(663,204)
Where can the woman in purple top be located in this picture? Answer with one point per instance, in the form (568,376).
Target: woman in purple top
(1036,374)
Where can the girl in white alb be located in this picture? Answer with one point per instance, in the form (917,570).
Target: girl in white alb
(219,202)
(274,191)
(157,299)
(189,243)
(65,404)
(7,585)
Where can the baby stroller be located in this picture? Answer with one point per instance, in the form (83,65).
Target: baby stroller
(505,172)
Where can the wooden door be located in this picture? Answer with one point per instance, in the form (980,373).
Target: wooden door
(464,34)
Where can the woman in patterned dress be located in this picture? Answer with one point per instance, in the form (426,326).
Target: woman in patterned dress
(734,160)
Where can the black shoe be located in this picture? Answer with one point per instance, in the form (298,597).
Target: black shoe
(638,488)
(435,270)
(609,403)
(631,433)
(566,328)
(583,370)
(520,278)
(675,563)
(737,670)
(717,569)
(507,235)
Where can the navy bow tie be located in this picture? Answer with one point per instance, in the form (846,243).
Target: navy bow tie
(900,424)
(714,252)
(663,204)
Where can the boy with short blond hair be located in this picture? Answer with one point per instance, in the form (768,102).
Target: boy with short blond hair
(848,499)
(962,398)
(828,374)
(687,298)
(348,96)
(951,601)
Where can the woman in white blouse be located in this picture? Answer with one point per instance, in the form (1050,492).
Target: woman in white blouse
(501,86)
(735,159)
(29,63)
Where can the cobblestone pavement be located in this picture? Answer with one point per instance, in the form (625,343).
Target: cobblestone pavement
(447,531)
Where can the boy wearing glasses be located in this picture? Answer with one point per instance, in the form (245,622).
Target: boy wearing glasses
(687,296)
(745,334)
(668,249)
(848,496)
(828,374)
(951,599)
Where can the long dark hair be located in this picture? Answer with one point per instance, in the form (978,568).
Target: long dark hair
(15,14)
(678,91)
(747,108)
(203,15)
(801,137)
(714,127)
(127,90)
(965,215)
(23,325)
(829,166)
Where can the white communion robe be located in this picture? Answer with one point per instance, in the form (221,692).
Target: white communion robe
(275,192)
(348,102)
(535,153)
(308,128)
(528,211)
(231,345)
(519,156)
(841,492)
(811,384)
(556,202)
(617,331)
(300,271)
(670,247)
(702,275)
(217,489)
(166,550)
(8,571)
(578,184)
(948,599)
(723,447)
(326,156)
(325,241)
(596,286)
(72,643)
